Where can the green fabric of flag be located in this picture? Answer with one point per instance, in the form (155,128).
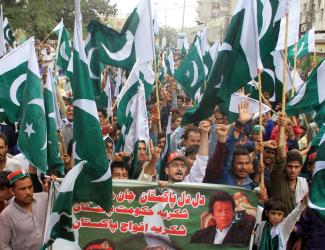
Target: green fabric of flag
(63,51)
(311,94)
(32,137)
(317,192)
(169,62)
(55,164)
(190,74)
(305,45)
(240,49)
(92,173)
(8,34)
(22,100)
(267,242)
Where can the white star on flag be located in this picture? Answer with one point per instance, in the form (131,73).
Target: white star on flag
(29,129)
(187,74)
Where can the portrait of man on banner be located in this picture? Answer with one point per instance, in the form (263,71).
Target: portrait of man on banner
(224,223)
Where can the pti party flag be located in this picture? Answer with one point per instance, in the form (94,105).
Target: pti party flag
(135,127)
(239,49)
(63,50)
(305,45)
(55,164)
(190,74)
(317,192)
(32,137)
(311,94)
(92,174)
(8,34)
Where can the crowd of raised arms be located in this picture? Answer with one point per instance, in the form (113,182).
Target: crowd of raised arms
(212,151)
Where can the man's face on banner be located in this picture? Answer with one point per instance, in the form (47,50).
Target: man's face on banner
(223,214)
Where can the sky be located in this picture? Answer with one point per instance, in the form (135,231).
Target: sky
(173,9)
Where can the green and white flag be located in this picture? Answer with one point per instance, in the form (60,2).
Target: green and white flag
(2,36)
(13,75)
(54,161)
(293,9)
(32,137)
(205,51)
(311,94)
(240,49)
(121,49)
(306,45)
(210,58)
(169,62)
(63,50)
(190,74)
(92,174)
(135,127)
(139,74)
(166,150)
(317,192)
(8,32)
(185,47)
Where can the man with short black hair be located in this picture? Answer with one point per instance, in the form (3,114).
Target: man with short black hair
(285,181)
(120,170)
(226,229)
(5,194)
(22,222)
(6,163)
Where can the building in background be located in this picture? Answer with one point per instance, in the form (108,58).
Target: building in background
(215,14)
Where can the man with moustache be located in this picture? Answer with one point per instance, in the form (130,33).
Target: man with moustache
(22,222)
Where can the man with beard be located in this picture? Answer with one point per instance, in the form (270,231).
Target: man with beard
(22,222)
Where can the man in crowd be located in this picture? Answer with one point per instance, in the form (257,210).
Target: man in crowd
(22,222)
(6,163)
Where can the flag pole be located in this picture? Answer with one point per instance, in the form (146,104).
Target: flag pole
(260,121)
(157,94)
(285,65)
(294,72)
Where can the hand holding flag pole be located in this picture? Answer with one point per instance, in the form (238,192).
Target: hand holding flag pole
(285,64)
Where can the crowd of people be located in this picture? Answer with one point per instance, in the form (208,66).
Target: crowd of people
(212,151)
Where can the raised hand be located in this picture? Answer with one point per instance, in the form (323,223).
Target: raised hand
(244,114)
(222,132)
(205,126)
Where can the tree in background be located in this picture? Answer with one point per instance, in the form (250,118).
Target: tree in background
(38,17)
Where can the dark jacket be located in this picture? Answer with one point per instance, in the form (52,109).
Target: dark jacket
(238,235)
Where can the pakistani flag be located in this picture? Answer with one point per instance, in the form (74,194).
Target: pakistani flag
(3,117)
(121,49)
(2,37)
(210,58)
(8,32)
(311,94)
(169,62)
(320,116)
(293,9)
(165,151)
(190,74)
(317,193)
(306,45)
(55,163)
(240,49)
(13,76)
(135,127)
(140,74)
(32,138)
(92,174)
(185,47)
(63,50)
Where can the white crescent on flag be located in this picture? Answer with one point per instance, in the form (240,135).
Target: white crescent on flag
(195,74)
(126,50)
(15,86)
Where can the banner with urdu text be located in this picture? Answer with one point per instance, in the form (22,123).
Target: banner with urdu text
(179,216)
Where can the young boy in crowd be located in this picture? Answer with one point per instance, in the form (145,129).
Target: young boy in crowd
(273,234)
